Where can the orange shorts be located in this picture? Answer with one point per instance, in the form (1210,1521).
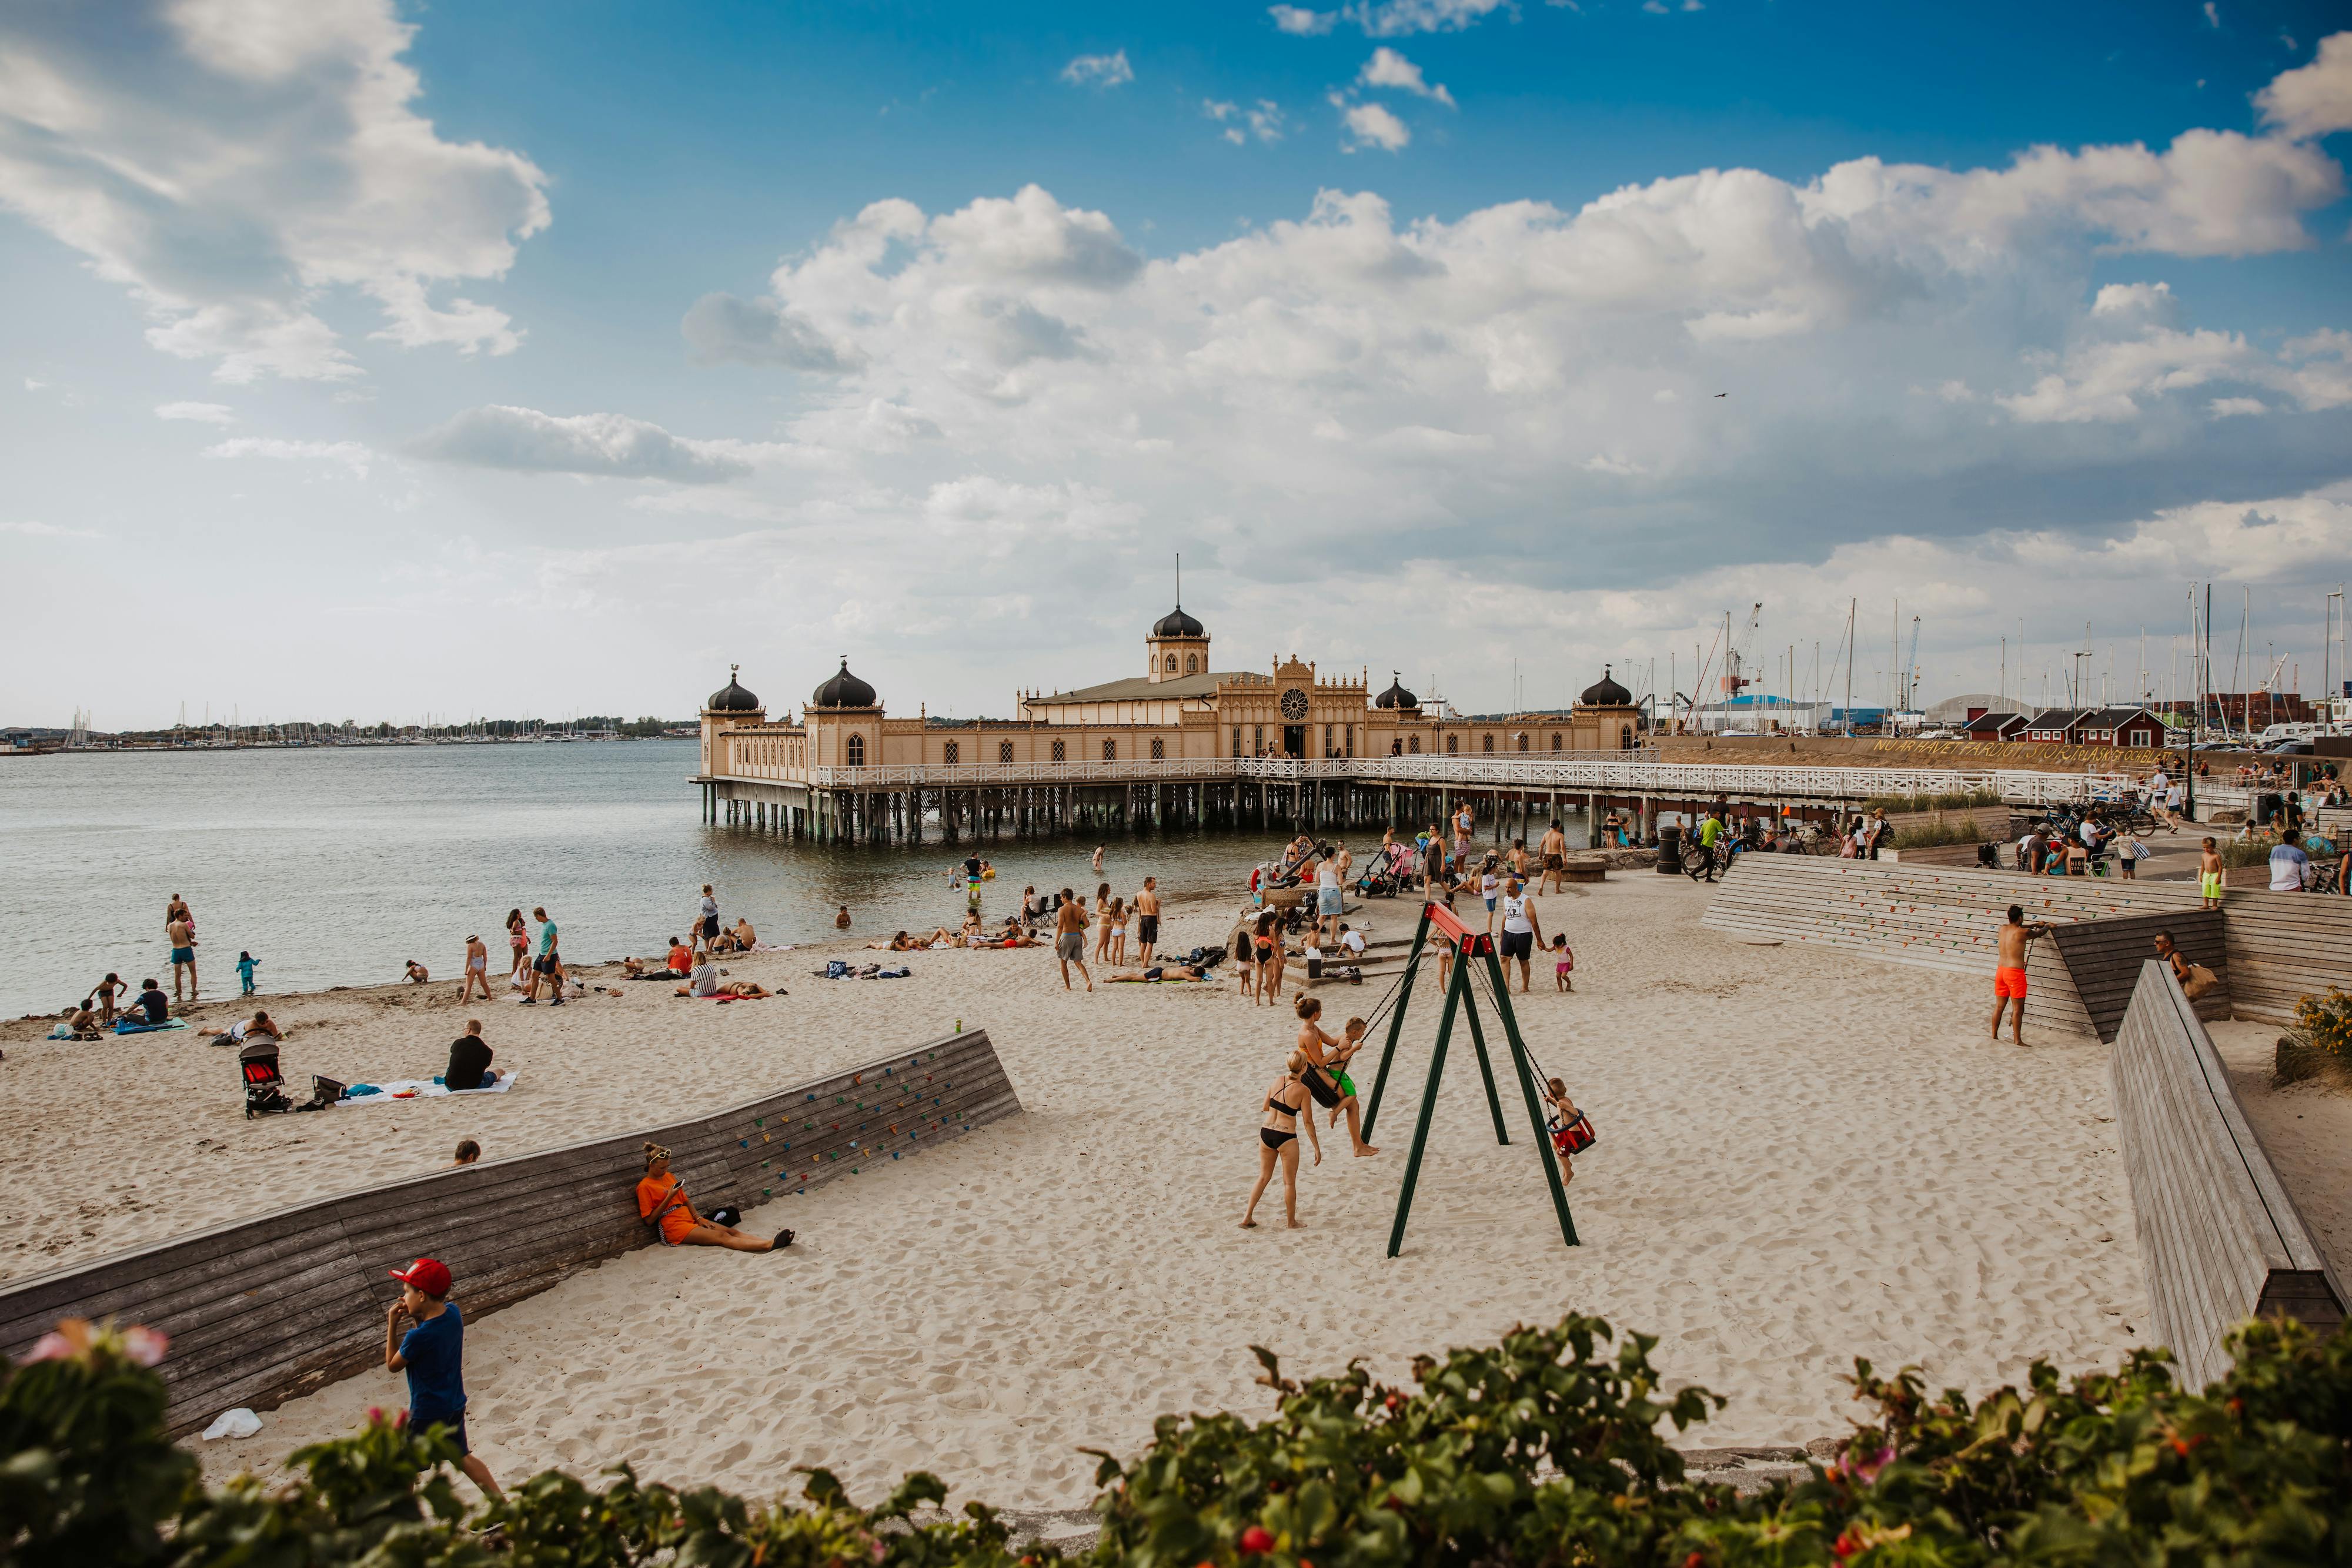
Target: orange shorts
(675,1226)
(2007,983)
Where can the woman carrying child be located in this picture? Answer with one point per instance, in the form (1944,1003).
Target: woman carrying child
(1287,1107)
(1326,1078)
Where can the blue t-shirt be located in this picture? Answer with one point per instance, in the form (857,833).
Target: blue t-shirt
(244,966)
(434,1351)
(546,938)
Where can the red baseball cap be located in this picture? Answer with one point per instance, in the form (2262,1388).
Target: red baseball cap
(429,1275)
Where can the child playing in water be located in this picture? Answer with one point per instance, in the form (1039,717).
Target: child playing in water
(246,964)
(1563,972)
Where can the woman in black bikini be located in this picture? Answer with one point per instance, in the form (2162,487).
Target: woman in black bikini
(1326,1076)
(1277,1139)
(1268,943)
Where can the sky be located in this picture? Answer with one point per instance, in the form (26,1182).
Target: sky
(373,361)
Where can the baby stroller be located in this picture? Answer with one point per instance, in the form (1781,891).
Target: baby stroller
(1388,874)
(264,1087)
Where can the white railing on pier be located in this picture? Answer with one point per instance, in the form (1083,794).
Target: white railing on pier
(1569,772)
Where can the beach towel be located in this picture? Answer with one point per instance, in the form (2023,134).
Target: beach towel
(124,1026)
(394,1088)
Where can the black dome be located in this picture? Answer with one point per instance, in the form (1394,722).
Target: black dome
(733,697)
(1605,693)
(1396,695)
(1176,623)
(844,690)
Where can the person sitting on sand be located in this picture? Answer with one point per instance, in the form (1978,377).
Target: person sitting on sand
(243,1029)
(1560,1114)
(83,1021)
(1326,1078)
(1157,972)
(681,958)
(662,1203)
(745,938)
(470,1061)
(972,931)
(1287,1108)
(417,973)
(150,1005)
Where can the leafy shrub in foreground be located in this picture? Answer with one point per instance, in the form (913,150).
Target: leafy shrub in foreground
(1547,1448)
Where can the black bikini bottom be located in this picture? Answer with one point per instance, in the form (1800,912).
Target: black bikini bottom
(1273,1139)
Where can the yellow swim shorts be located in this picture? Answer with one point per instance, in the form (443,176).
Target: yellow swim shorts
(2209,883)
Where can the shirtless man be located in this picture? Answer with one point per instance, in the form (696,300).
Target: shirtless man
(2009,979)
(2195,979)
(1070,938)
(1147,921)
(1553,850)
(478,970)
(183,933)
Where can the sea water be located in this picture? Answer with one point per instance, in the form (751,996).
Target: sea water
(335,866)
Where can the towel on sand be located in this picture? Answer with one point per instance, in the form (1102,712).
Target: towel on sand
(417,1089)
(124,1026)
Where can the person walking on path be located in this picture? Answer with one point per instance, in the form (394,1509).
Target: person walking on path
(1278,1138)
(433,1352)
(2009,979)
(1147,921)
(476,972)
(183,934)
(1070,938)
(1522,931)
(518,944)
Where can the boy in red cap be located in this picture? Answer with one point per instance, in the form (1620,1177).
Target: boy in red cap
(433,1353)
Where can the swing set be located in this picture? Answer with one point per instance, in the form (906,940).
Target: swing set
(1471,946)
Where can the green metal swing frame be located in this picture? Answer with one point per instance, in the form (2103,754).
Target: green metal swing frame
(1472,946)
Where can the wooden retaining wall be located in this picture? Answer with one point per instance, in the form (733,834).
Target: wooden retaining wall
(265,1309)
(2278,946)
(2220,1239)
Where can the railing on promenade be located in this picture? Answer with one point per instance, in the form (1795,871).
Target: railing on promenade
(1562,772)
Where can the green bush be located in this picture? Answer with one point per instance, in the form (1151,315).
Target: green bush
(1949,800)
(2325,1023)
(1546,1449)
(1939,830)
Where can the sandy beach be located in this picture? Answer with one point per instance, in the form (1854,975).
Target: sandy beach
(1798,1164)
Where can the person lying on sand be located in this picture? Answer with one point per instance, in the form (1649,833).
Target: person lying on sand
(901,943)
(662,1203)
(238,1032)
(707,983)
(1287,1109)
(1157,972)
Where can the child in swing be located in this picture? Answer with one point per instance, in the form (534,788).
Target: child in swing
(1570,1132)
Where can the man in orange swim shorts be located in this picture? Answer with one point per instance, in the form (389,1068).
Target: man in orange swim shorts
(2009,979)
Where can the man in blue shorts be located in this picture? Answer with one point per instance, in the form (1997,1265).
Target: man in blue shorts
(433,1353)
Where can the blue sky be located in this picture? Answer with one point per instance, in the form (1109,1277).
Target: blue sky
(497,357)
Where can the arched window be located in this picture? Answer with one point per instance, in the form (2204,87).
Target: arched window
(1171,663)
(1004,751)
(1555,740)
(858,751)
(954,751)
(1110,751)
(1191,664)
(1453,743)
(1412,745)
(1523,740)
(1486,743)
(1061,751)
(1159,748)
(1625,738)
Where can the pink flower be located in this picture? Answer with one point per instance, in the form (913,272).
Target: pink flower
(51,1346)
(376,1414)
(145,1345)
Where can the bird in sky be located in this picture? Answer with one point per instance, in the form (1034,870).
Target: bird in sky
(1723,395)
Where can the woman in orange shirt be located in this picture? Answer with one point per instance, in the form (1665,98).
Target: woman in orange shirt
(662,1204)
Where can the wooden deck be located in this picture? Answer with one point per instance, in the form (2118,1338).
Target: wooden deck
(269,1309)
(2220,1240)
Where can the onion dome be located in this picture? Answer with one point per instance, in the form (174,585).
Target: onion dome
(844,690)
(1176,623)
(733,697)
(1605,693)
(1396,695)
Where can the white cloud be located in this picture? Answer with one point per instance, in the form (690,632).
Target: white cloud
(48,532)
(1370,125)
(352,454)
(1389,68)
(609,445)
(1301,23)
(237,163)
(1098,70)
(1264,121)
(32,385)
(1398,18)
(2224,407)
(200,412)
(759,332)
(2315,100)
